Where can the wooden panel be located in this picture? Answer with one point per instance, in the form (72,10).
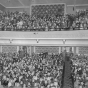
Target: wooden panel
(83,50)
(9,49)
(81,34)
(48,49)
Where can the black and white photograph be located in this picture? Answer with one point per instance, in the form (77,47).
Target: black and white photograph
(43,43)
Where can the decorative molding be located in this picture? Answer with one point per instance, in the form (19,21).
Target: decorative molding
(44,35)
(79,5)
(62,38)
(64,41)
(37,40)
(18,7)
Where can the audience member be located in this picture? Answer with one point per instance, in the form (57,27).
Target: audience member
(38,70)
(16,21)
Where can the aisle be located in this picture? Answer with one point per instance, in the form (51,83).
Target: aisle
(67,74)
(62,81)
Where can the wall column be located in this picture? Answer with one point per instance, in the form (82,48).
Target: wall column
(17,48)
(32,49)
(59,50)
(77,50)
(74,50)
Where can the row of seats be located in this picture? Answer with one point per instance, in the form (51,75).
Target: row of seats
(43,70)
(16,21)
(80,71)
(36,71)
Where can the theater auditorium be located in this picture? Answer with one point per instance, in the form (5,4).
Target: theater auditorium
(43,43)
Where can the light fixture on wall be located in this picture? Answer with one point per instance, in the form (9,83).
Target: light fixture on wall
(10,40)
(64,40)
(37,40)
